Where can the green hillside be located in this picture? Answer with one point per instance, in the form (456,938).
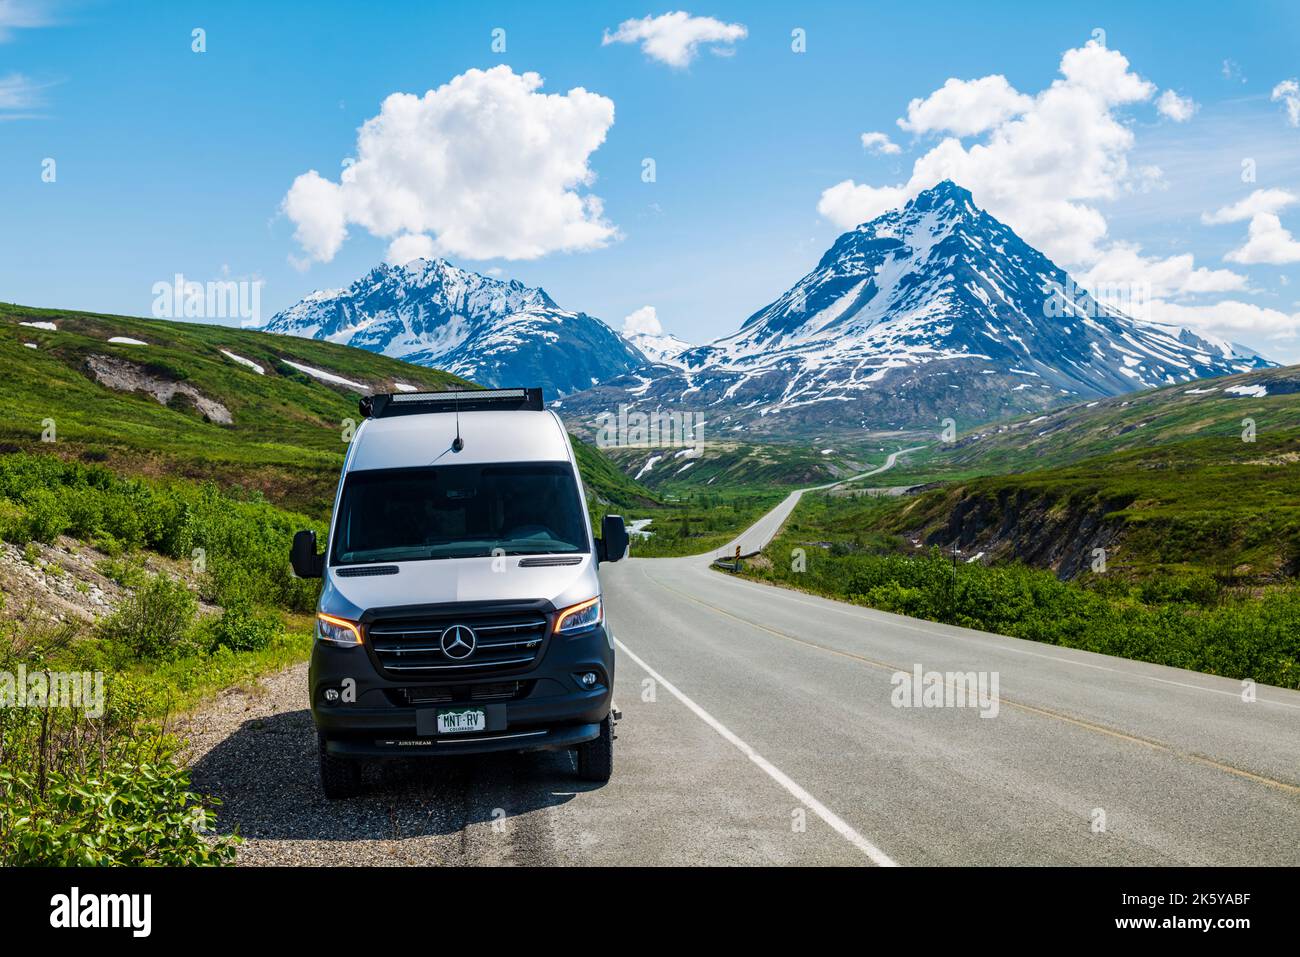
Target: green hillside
(1138,420)
(286,434)
(1216,506)
(727,464)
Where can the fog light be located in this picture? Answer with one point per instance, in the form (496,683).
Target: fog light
(331,694)
(589,678)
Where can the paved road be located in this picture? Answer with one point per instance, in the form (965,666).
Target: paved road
(756,537)
(1183,770)
(759,728)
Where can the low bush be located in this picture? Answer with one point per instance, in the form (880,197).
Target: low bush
(156,621)
(242,627)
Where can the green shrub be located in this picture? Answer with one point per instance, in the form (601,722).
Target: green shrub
(241,627)
(156,622)
(127,814)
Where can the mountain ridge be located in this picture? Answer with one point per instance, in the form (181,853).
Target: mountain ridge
(907,309)
(493,331)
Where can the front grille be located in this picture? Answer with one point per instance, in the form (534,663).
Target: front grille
(410,647)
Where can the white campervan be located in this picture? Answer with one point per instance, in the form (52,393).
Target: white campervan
(461,607)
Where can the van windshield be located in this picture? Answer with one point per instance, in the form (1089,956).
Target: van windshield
(458,511)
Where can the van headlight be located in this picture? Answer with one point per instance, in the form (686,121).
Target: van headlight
(337,631)
(579,617)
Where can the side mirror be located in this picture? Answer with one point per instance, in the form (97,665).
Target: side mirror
(613,538)
(303,557)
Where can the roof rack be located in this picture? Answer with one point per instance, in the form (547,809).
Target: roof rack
(389,404)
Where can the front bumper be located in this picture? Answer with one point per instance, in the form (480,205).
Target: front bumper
(373,718)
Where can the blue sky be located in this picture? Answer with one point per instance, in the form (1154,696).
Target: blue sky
(171,161)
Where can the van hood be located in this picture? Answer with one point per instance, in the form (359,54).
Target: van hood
(450,580)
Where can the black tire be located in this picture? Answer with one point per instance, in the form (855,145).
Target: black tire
(596,757)
(339,777)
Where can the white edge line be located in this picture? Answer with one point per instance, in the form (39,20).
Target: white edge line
(836,823)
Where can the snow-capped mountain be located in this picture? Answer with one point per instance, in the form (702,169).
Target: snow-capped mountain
(659,347)
(932,311)
(492,331)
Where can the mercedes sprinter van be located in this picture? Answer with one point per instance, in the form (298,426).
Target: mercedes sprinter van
(460,610)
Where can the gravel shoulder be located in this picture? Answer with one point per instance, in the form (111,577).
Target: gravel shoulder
(255,750)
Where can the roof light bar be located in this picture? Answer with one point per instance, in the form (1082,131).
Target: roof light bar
(386,405)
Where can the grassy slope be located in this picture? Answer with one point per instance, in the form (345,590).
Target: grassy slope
(287,437)
(1135,421)
(725,464)
(1162,479)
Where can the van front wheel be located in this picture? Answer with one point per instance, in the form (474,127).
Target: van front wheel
(339,777)
(596,757)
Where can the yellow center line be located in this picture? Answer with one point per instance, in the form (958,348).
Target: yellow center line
(1019,706)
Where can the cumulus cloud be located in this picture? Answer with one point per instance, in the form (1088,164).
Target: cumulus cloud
(848,203)
(675,38)
(410,246)
(966,107)
(484,166)
(1288,94)
(642,321)
(1229,319)
(1041,164)
(1123,263)
(1260,201)
(1177,108)
(1267,241)
(880,143)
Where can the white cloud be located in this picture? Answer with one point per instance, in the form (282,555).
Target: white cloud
(675,38)
(643,321)
(1043,164)
(1288,94)
(1177,108)
(484,166)
(1260,201)
(1267,241)
(880,143)
(847,204)
(1039,170)
(410,246)
(18,92)
(966,107)
(1229,319)
(1123,264)
(318,209)
(21,15)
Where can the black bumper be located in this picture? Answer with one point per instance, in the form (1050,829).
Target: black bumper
(373,718)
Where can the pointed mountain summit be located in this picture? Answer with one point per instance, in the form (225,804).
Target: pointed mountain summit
(931,311)
(495,332)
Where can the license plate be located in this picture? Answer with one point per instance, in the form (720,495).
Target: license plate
(461,719)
